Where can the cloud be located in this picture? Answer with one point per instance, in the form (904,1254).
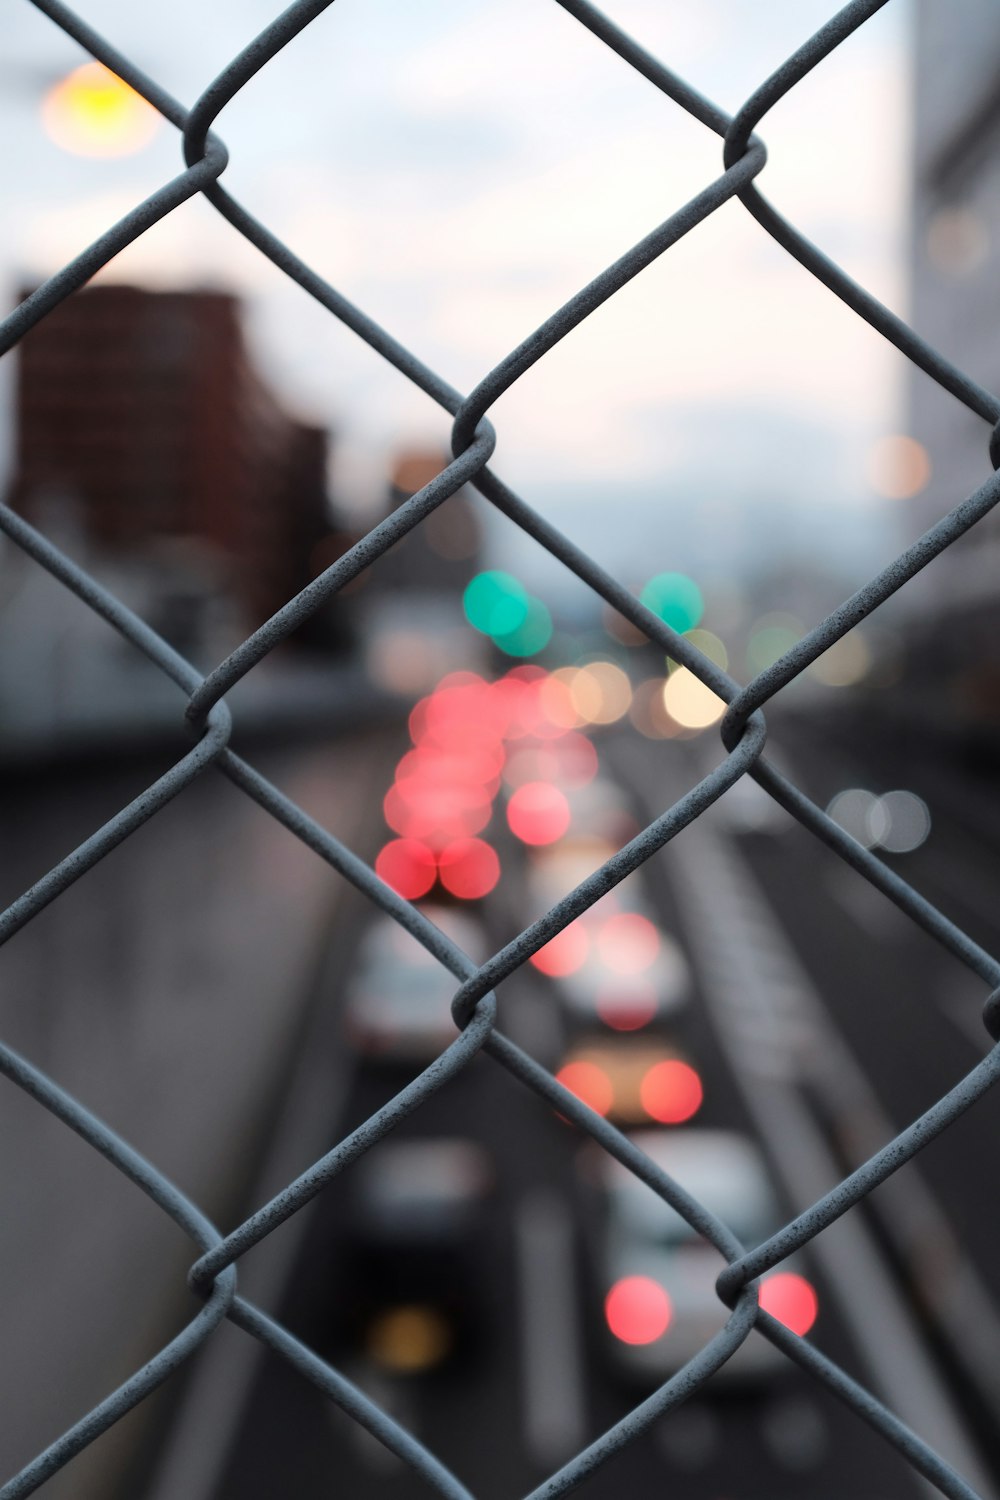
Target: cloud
(460,173)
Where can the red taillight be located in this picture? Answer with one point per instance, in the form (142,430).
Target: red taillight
(671,1092)
(638,1310)
(421,810)
(538,813)
(469,868)
(408,866)
(627,1010)
(790,1298)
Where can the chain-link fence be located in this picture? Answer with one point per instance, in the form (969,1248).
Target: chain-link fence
(214,1275)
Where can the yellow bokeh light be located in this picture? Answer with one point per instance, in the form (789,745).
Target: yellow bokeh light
(898,467)
(689,702)
(601,692)
(846,662)
(409,1339)
(708,644)
(93,112)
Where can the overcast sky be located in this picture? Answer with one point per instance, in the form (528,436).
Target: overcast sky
(459,168)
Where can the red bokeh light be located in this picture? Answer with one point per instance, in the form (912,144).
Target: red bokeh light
(479,765)
(469,868)
(638,1310)
(462,716)
(506,695)
(790,1298)
(577,758)
(565,953)
(628,942)
(454,705)
(523,698)
(589,1083)
(418,720)
(531,763)
(538,813)
(629,1008)
(419,809)
(571,761)
(671,1092)
(408,866)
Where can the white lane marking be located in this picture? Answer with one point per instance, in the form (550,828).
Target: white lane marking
(738,946)
(552,1360)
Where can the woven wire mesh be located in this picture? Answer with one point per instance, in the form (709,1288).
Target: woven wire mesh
(214,1272)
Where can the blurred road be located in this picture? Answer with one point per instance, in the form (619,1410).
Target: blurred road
(165,989)
(821,1021)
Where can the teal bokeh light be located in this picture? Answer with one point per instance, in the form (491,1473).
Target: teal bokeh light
(495,603)
(676,599)
(533,634)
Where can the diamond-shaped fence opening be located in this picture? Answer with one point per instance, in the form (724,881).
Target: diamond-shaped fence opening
(216,1256)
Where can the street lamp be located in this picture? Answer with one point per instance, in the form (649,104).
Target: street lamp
(93,112)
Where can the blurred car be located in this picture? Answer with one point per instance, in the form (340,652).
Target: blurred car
(602,810)
(626,998)
(657,1274)
(613,964)
(398,1002)
(557,868)
(632,1080)
(416,1239)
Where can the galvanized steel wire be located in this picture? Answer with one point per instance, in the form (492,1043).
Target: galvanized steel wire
(213,1274)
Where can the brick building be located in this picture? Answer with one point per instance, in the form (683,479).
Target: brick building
(144,412)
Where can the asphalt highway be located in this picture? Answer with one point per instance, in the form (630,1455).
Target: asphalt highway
(821,1021)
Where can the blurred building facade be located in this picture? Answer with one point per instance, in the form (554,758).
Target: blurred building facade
(143,414)
(954,266)
(442,553)
(954,666)
(414,629)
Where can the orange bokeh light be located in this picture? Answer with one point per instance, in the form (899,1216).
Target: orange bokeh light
(898,467)
(556,701)
(589,1083)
